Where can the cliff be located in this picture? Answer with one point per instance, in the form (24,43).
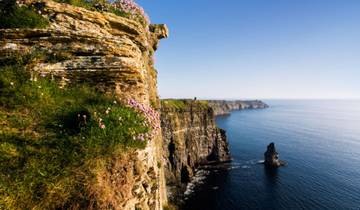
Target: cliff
(79,128)
(109,51)
(114,54)
(191,139)
(223,107)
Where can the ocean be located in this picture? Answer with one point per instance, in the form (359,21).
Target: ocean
(320,141)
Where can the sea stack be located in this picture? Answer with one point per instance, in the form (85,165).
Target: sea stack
(272,157)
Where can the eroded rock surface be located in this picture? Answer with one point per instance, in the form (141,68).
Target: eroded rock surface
(115,54)
(272,157)
(191,139)
(109,51)
(222,107)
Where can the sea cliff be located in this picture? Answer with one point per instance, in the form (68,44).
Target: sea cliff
(190,139)
(84,50)
(224,107)
(113,54)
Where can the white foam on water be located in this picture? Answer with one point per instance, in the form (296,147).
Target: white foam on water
(198,179)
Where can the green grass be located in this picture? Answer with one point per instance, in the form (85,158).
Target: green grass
(90,5)
(174,103)
(47,147)
(93,5)
(182,104)
(21,17)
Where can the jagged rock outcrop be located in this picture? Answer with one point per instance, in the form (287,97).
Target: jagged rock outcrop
(272,157)
(223,107)
(191,139)
(115,54)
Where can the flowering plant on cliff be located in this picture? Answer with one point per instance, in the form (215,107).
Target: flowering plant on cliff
(65,136)
(152,118)
(132,9)
(117,122)
(124,8)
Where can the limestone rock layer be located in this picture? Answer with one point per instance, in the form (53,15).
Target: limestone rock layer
(190,139)
(114,54)
(222,107)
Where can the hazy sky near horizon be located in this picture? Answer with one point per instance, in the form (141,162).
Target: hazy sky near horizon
(258,48)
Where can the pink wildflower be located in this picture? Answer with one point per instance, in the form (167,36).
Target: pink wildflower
(129,6)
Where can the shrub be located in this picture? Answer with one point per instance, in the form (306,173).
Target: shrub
(7,6)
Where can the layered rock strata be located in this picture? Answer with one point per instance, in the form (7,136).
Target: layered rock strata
(115,54)
(191,139)
(223,107)
(112,52)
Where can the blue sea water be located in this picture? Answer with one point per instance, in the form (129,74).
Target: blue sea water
(320,140)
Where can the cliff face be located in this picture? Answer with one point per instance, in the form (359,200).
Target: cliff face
(112,52)
(222,107)
(115,54)
(191,139)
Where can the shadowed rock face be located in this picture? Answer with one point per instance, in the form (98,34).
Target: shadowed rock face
(191,139)
(272,157)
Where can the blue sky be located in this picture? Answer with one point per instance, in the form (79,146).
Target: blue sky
(236,49)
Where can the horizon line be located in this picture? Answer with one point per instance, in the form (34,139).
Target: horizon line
(208,98)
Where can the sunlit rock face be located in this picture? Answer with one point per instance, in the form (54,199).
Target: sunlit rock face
(114,54)
(222,107)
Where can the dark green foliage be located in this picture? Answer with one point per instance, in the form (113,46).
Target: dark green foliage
(47,146)
(7,6)
(12,16)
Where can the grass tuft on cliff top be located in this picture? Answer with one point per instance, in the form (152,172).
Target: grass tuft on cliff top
(50,137)
(13,16)
(106,6)
(183,104)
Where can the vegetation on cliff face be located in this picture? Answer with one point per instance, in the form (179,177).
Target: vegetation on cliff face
(73,147)
(182,104)
(53,140)
(123,8)
(15,16)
